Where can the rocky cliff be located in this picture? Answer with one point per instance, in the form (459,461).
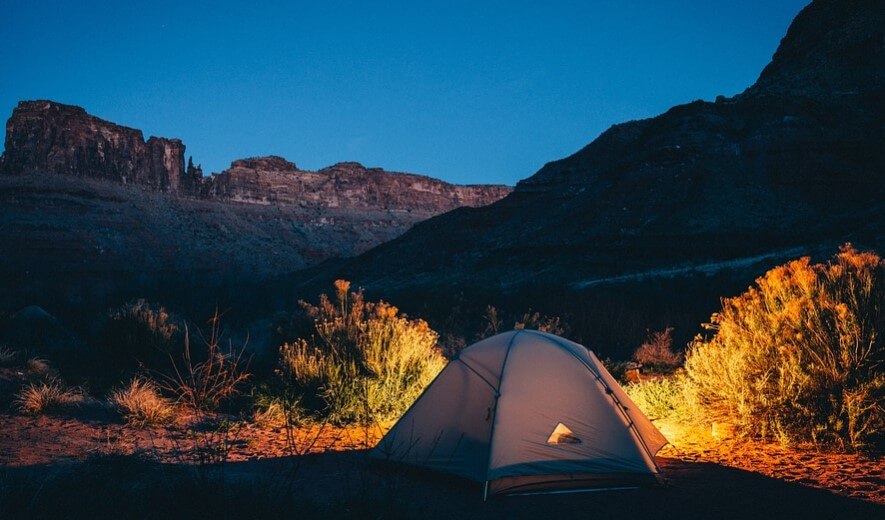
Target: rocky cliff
(91,214)
(274,180)
(47,137)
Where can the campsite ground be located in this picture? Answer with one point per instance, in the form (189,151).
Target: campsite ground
(706,477)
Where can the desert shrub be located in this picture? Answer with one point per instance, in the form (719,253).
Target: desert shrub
(799,356)
(140,333)
(664,398)
(657,351)
(494,322)
(47,396)
(364,361)
(537,321)
(141,404)
(203,380)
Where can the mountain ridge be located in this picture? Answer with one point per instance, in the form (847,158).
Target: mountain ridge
(93,214)
(794,163)
(44,136)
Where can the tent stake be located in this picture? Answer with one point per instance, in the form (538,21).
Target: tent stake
(485,491)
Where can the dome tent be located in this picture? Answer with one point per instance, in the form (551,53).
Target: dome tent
(526,411)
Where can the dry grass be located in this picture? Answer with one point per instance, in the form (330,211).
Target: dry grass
(365,361)
(276,410)
(203,384)
(8,357)
(799,356)
(141,404)
(47,396)
(537,321)
(494,323)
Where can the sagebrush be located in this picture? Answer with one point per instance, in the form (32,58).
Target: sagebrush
(364,361)
(799,356)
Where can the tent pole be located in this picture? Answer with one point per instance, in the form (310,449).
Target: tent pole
(495,411)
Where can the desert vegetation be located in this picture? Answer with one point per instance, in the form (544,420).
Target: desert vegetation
(50,395)
(141,404)
(797,358)
(657,351)
(139,334)
(362,361)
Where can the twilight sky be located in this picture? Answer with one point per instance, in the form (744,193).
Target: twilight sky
(470,92)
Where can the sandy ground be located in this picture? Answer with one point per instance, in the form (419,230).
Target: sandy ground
(851,475)
(705,477)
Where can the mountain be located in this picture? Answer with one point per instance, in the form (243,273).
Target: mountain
(655,219)
(91,213)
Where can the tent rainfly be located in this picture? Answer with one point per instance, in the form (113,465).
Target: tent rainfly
(526,411)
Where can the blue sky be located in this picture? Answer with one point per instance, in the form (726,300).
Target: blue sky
(472,92)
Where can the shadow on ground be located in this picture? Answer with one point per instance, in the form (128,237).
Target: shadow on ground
(348,485)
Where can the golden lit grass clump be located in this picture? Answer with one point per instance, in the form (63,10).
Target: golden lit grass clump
(799,356)
(48,396)
(363,362)
(141,404)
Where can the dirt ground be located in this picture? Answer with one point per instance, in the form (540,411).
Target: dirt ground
(705,477)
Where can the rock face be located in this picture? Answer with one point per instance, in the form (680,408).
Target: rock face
(274,180)
(794,165)
(91,214)
(46,137)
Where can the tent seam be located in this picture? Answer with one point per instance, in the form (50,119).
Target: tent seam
(484,380)
(498,396)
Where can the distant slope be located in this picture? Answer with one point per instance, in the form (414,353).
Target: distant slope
(92,214)
(793,165)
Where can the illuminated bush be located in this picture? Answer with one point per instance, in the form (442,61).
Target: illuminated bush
(799,356)
(665,397)
(364,361)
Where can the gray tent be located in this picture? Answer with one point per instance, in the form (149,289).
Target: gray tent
(527,411)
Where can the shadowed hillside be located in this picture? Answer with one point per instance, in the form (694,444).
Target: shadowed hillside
(724,189)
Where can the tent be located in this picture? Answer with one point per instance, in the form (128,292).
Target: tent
(526,411)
